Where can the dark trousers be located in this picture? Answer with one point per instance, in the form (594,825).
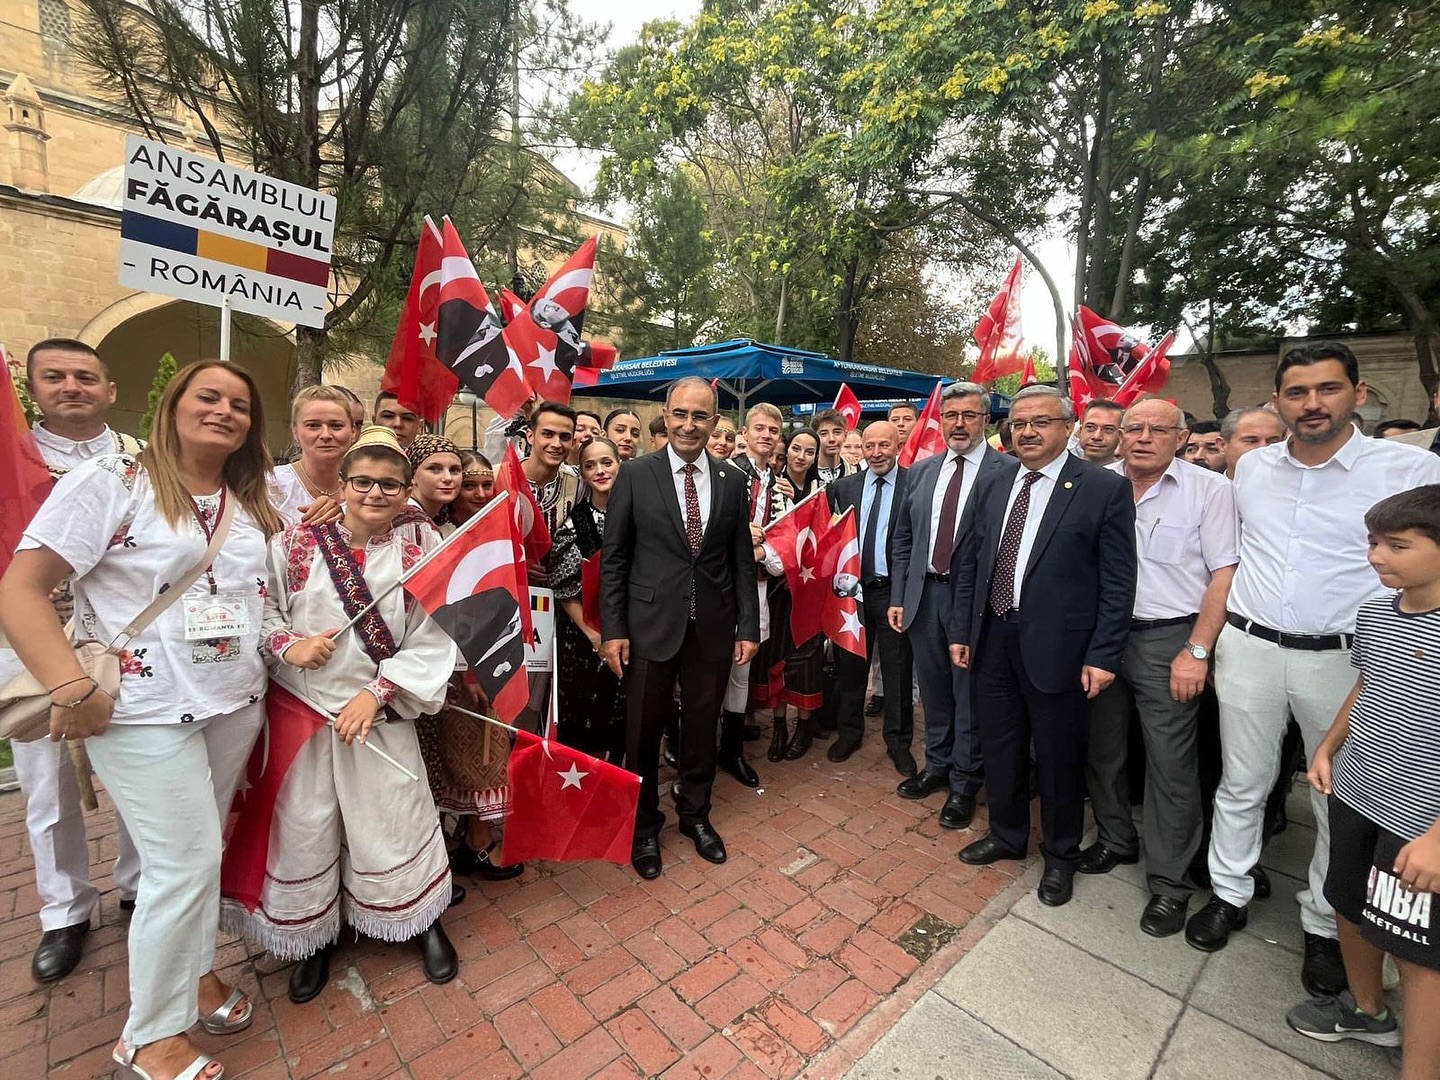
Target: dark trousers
(896,666)
(1011,711)
(952,740)
(649,687)
(1172,777)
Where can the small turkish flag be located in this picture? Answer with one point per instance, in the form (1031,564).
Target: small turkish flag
(998,333)
(925,438)
(567,806)
(797,538)
(1028,377)
(840,571)
(529,521)
(848,406)
(413,373)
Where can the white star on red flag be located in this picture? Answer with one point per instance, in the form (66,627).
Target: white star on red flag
(572,777)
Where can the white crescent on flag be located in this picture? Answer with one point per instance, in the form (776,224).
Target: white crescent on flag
(579,278)
(802,538)
(476,566)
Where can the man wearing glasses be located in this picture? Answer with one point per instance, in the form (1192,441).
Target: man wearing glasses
(1187,539)
(678,601)
(1044,583)
(937,492)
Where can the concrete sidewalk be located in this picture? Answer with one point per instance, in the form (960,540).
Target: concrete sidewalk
(1081,992)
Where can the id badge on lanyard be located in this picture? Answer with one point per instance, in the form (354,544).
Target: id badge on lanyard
(214,615)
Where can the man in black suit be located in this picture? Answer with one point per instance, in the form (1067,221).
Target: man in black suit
(876,494)
(1044,582)
(677,545)
(938,491)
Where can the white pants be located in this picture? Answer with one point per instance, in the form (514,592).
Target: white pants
(1259,686)
(172,784)
(56,824)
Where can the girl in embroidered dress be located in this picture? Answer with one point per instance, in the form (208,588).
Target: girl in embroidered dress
(327,832)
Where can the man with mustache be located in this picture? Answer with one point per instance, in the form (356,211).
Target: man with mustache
(1286,647)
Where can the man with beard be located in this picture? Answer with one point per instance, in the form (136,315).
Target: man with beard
(1206,446)
(1100,431)
(1286,646)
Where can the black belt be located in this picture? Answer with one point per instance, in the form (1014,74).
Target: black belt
(877,582)
(1156,624)
(1011,616)
(930,575)
(1305,642)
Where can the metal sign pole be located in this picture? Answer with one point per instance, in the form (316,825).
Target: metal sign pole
(225,330)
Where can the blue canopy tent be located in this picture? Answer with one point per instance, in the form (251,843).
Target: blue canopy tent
(751,369)
(999,405)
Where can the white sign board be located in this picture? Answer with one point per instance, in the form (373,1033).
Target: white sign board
(197,229)
(540,649)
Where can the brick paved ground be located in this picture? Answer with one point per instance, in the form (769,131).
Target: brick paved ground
(806,938)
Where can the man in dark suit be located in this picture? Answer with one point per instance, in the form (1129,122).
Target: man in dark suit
(677,545)
(938,490)
(875,494)
(1044,582)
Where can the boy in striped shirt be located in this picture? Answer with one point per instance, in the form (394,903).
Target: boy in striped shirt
(1380,767)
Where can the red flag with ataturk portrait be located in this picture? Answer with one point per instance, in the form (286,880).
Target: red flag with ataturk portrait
(567,806)
(840,575)
(25,480)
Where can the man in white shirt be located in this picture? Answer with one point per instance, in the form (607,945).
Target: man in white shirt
(1099,433)
(1187,545)
(1303,573)
(71,385)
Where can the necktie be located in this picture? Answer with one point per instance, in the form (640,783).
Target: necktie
(872,526)
(945,533)
(1002,584)
(693,531)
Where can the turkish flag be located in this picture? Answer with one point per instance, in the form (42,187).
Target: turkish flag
(1028,377)
(848,406)
(413,373)
(529,521)
(25,480)
(537,350)
(289,725)
(1083,383)
(587,376)
(1117,364)
(1149,376)
(797,538)
(567,806)
(998,333)
(475,588)
(840,573)
(925,439)
(469,339)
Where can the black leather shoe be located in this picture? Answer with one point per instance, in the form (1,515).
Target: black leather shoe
(457,894)
(466,860)
(1056,887)
(1209,928)
(921,785)
(739,768)
(645,857)
(667,754)
(800,741)
(1262,884)
(1164,916)
(58,952)
(309,976)
(707,841)
(779,739)
(1323,974)
(904,762)
(875,706)
(958,812)
(985,851)
(1100,859)
(841,749)
(437,955)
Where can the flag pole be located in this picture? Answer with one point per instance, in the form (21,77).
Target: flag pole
(408,574)
(225,330)
(792,509)
(330,719)
(488,719)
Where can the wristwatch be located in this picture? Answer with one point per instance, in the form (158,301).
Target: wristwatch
(1199,652)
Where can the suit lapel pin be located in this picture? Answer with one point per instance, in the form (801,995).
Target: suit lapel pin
(722,472)
(1068,485)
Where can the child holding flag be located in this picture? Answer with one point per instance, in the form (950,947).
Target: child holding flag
(325,831)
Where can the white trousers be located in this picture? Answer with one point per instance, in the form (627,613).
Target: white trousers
(1259,686)
(56,824)
(172,784)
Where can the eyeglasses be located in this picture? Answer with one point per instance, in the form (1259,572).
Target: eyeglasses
(968,416)
(363,484)
(1042,425)
(681,416)
(1134,431)
(1091,429)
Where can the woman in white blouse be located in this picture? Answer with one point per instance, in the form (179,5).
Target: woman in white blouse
(171,746)
(308,489)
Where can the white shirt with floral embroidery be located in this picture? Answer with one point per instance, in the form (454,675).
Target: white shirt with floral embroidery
(102,520)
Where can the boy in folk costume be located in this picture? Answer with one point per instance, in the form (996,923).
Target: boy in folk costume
(326,830)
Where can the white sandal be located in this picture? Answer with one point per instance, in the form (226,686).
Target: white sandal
(126,1069)
(223,1020)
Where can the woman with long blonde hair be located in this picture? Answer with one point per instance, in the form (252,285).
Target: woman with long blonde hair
(307,490)
(171,745)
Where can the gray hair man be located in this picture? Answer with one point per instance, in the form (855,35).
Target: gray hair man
(1187,544)
(927,532)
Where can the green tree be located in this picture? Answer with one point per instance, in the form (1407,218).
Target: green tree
(164,372)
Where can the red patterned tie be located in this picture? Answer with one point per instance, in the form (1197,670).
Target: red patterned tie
(1002,583)
(693,531)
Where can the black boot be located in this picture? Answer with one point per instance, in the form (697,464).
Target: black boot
(309,977)
(779,738)
(732,749)
(437,955)
(800,743)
